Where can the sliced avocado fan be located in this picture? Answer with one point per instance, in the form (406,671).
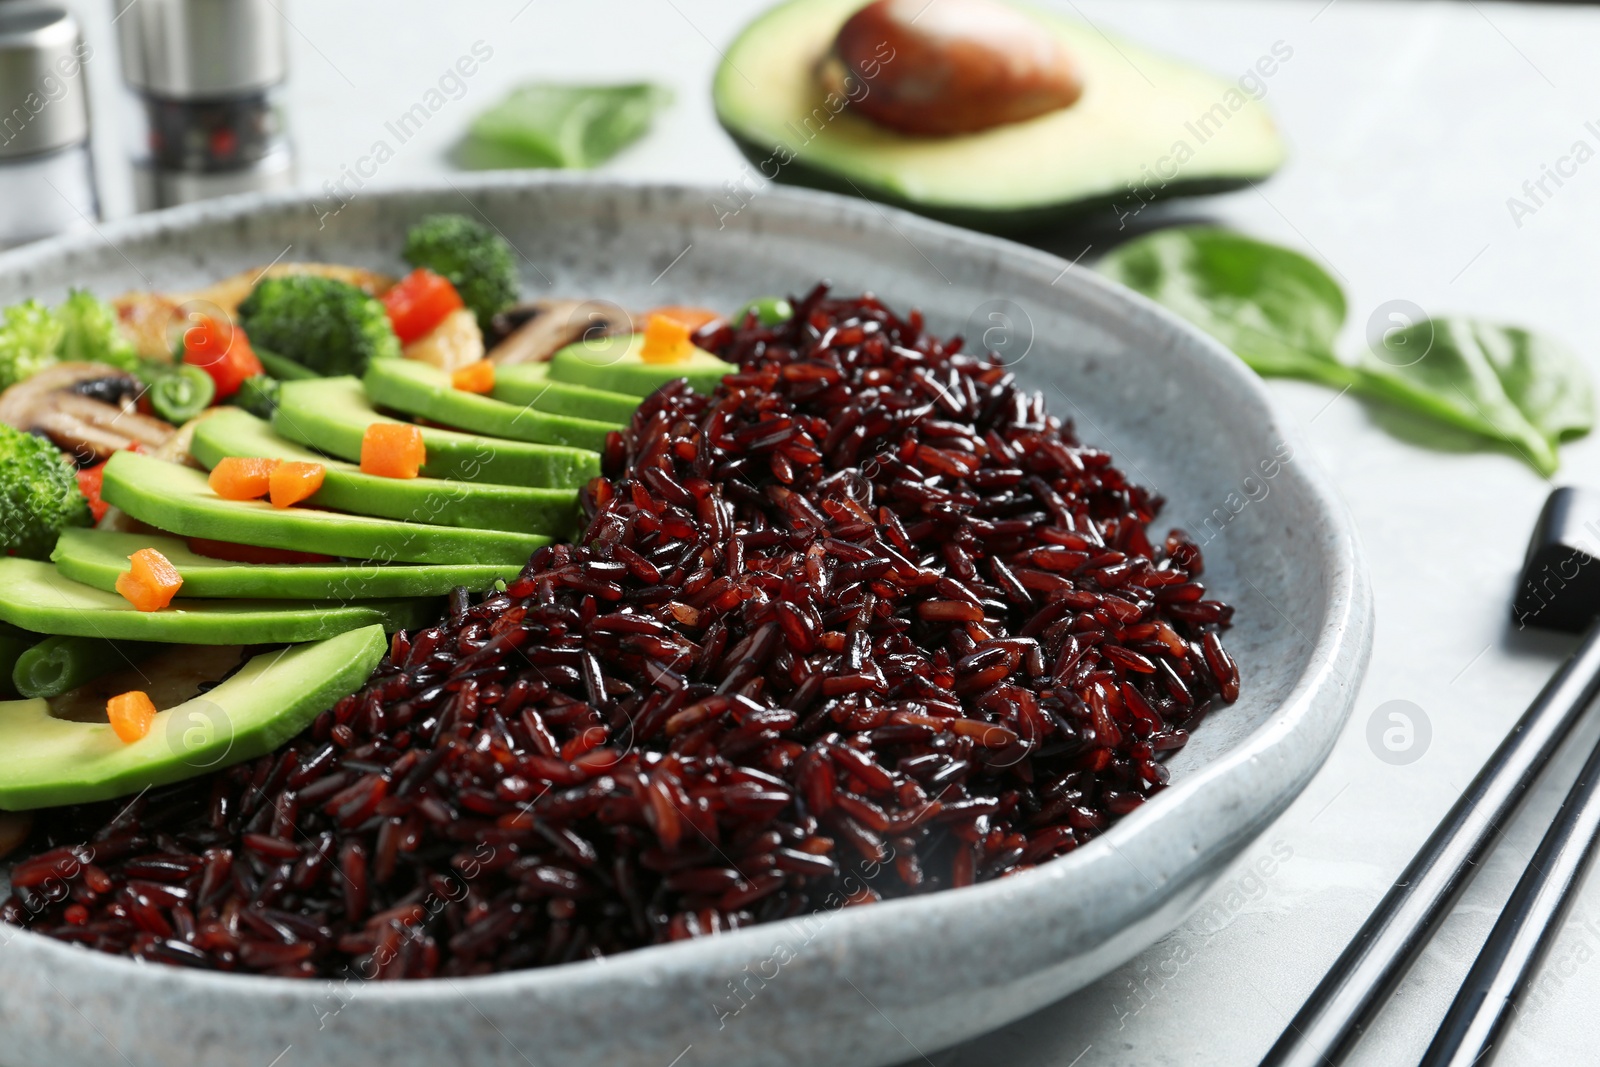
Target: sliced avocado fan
(425,392)
(45,761)
(435,501)
(178,500)
(332,414)
(614,363)
(97,557)
(36,596)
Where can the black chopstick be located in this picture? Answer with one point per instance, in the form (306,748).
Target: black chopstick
(1344,1002)
(1529,922)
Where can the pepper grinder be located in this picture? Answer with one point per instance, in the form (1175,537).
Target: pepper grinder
(207,77)
(46,176)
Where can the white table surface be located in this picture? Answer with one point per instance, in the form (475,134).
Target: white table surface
(1410,125)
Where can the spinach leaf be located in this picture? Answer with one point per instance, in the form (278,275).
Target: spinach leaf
(1499,381)
(1281,313)
(1455,382)
(1277,309)
(544,124)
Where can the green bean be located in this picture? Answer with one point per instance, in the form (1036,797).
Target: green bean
(13,643)
(179,392)
(282,367)
(59,664)
(769,311)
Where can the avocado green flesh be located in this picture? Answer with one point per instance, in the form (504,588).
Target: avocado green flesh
(1145,127)
(435,501)
(332,414)
(529,385)
(46,761)
(178,500)
(96,557)
(613,363)
(425,392)
(38,597)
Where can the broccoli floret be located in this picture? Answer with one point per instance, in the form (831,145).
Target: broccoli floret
(476,260)
(30,334)
(91,334)
(39,494)
(258,395)
(330,326)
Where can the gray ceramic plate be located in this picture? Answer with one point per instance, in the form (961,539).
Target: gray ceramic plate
(862,986)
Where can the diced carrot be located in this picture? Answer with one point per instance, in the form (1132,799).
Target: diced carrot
(666,340)
(474,377)
(294,481)
(694,318)
(242,478)
(131,714)
(150,582)
(237,553)
(392,450)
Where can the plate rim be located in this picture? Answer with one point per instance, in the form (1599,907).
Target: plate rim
(1337,661)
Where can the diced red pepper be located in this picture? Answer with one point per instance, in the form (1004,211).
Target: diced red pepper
(419,302)
(221,349)
(89,482)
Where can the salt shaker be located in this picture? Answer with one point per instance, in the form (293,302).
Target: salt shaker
(207,78)
(46,175)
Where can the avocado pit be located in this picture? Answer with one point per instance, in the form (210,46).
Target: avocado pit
(945,67)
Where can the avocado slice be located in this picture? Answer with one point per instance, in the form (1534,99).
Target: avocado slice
(96,557)
(1145,127)
(435,501)
(614,363)
(331,414)
(177,499)
(530,385)
(425,392)
(38,597)
(46,761)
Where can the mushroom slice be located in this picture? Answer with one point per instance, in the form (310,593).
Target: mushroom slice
(535,331)
(62,402)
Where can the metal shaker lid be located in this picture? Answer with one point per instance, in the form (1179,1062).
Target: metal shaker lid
(44,100)
(201,49)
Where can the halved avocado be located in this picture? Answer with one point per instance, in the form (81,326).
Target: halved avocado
(530,385)
(1145,127)
(425,392)
(178,499)
(614,363)
(38,597)
(436,501)
(332,414)
(46,761)
(96,557)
